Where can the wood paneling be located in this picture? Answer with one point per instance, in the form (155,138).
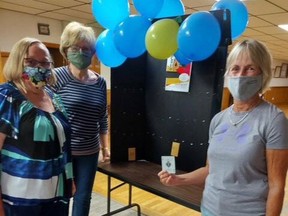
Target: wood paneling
(276,95)
(3,59)
(95,65)
(226,99)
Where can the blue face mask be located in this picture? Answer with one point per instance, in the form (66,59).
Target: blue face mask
(244,87)
(81,60)
(38,76)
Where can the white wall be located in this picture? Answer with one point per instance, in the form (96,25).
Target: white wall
(278,81)
(105,72)
(15,25)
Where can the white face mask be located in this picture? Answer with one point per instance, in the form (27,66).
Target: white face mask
(244,87)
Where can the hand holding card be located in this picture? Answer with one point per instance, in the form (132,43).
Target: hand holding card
(168,164)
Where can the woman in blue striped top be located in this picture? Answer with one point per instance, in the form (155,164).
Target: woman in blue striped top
(83,93)
(36,167)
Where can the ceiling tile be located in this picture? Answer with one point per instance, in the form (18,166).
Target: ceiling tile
(75,13)
(257,22)
(84,8)
(271,30)
(203,8)
(276,41)
(281,3)
(264,37)
(62,3)
(254,7)
(198,3)
(19,8)
(249,32)
(85,1)
(277,19)
(282,36)
(64,17)
(32,4)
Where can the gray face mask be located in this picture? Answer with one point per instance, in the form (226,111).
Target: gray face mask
(244,87)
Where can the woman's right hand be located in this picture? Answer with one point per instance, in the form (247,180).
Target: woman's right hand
(167,179)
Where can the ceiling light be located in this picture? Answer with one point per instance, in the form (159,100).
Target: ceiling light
(284,26)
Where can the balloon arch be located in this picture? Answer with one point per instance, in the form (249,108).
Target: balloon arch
(159,30)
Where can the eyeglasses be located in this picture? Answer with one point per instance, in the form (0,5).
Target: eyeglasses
(77,49)
(34,63)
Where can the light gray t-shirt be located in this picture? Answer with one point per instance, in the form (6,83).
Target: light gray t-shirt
(237,184)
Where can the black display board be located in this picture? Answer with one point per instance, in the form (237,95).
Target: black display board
(146,117)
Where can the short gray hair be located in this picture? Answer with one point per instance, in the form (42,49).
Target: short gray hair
(259,54)
(73,33)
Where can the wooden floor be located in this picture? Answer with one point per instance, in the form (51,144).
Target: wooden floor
(153,205)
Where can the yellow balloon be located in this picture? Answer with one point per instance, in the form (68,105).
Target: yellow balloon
(161,38)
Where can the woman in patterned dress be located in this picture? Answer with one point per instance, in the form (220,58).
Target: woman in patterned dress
(36,168)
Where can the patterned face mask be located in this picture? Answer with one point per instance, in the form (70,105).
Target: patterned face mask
(38,76)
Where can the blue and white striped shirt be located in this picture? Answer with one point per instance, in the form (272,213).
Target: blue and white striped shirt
(86,106)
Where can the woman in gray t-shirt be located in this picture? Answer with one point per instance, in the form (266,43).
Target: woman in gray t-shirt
(247,157)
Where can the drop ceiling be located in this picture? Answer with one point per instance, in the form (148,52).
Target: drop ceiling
(264,16)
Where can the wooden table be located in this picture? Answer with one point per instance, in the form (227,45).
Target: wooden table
(143,175)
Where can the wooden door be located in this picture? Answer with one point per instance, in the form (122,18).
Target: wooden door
(3,59)
(60,61)
(56,55)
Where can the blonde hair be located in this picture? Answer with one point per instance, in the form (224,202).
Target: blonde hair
(14,66)
(73,33)
(259,54)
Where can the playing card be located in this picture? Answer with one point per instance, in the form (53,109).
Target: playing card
(168,164)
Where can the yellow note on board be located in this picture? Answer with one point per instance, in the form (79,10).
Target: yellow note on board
(175,149)
(131,154)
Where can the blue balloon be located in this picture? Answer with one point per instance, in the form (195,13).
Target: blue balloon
(199,36)
(106,50)
(239,15)
(183,60)
(148,8)
(110,13)
(171,8)
(129,36)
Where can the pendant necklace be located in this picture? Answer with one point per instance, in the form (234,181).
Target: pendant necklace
(239,121)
